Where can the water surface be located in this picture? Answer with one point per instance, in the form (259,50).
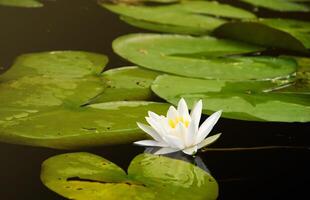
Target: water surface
(82,25)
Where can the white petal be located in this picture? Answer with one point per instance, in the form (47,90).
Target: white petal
(174,141)
(196,113)
(153,115)
(207,126)
(172,113)
(151,143)
(182,109)
(191,150)
(208,141)
(181,132)
(164,124)
(150,131)
(191,133)
(156,126)
(165,135)
(166,150)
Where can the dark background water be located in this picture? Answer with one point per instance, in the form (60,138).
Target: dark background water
(83,25)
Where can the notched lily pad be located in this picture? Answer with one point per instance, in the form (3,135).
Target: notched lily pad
(72,128)
(41,98)
(149,177)
(22,3)
(201,57)
(126,84)
(194,17)
(276,100)
(279,33)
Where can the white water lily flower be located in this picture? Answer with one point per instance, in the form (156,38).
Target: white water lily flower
(179,130)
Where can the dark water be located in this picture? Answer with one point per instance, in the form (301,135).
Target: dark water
(82,25)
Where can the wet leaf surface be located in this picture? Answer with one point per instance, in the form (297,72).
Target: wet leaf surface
(280,5)
(126,83)
(277,100)
(195,17)
(201,57)
(42,97)
(87,176)
(21,3)
(279,33)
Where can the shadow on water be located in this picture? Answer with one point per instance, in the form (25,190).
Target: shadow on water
(83,25)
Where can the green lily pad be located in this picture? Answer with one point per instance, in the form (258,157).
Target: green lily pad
(149,177)
(195,17)
(41,98)
(279,33)
(276,100)
(21,3)
(126,83)
(201,57)
(72,128)
(162,27)
(280,5)
(136,2)
(51,79)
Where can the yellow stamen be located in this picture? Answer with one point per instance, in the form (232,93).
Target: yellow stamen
(174,122)
(171,123)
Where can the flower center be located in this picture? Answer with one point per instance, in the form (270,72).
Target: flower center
(173,122)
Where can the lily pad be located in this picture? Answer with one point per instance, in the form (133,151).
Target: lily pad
(126,83)
(276,100)
(72,128)
(279,33)
(162,27)
(41,98)
(195,17)
(51,78)
(201,57)
(149,177)
(21,3)
(280,5)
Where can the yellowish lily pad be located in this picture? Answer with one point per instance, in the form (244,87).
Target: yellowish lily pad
(281,5)
(42,98)
(86,176)
(21,3)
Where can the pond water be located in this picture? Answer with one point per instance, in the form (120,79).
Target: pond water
(274,173)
